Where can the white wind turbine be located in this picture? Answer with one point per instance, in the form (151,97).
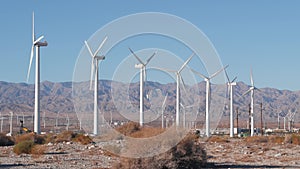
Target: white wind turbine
(163,110)
(251,89)
(178,79)
(142,67)
(37,44)
(208,97)
(230,85)
(94,71)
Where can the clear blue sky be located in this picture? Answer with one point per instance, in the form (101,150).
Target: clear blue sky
(264,35)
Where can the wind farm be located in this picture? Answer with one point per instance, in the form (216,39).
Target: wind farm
(148,89)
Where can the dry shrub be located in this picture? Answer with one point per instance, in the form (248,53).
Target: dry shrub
(128,128)
(24,137)
(296,139)
(276,139)
(147,132)
(288,139)
(257,139)
(65,136)
(218,139)
(6,140)
(23,147)
(68,136)
(187,154)
(80,138)
(38,149)
(39,139)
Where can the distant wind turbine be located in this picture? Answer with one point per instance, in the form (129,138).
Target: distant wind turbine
(230,84)
(94,70)
(208,96)
(251,89)
(37,44)
(178,80)
(142,67)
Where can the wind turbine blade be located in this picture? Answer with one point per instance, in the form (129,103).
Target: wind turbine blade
(199,74)
(219,71)
(33,33)
(233,80)
(100,46)
(31,57)
(249,90)
(89,49)
(186,62)
(148,60)
(40,38)
(165,70)
(92,73)
(227,76)
(145,74)
(164,102)
(137,57)
(251,78)
(184,86)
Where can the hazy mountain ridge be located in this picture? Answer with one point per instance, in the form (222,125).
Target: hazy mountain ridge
(19,97)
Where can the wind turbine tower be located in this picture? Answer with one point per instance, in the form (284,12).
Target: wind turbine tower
(178,79)
(37,44)
(230,85)
(142,67)
(208,97)
(251,89)
(94,71)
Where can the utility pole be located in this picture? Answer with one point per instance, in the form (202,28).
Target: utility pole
(261,118)
(237,120)
(249,123)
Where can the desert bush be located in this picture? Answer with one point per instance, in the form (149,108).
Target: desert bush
(296,139)
(80,138)
(23,147)
(257,139)
(128,128)
(65,136)
(6,140)
(288,139)
(24,137)
(39,139)
(218,139)
(276,139)
(187,154)
(147,132)
(38,149)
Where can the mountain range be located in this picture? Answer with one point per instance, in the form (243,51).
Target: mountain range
(59,97)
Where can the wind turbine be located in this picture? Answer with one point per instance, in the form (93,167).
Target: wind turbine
(37,44)
(94,70)
(178,79)
(163,110)
(208,96)
(142,67)
(251,89)
(230,85)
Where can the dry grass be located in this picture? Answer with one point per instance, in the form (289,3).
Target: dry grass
(129,128)
(276,139)
(257,139)
(187,154)
(24,137)
(296,139)
(218,139)
(80,138)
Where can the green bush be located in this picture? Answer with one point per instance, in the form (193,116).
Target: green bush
(23,147)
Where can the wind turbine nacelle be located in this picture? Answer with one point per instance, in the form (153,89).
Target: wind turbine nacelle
(138,66)
(42,43)
(100,57)
(233,83)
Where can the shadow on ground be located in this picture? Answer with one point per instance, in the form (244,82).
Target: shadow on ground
(221,165)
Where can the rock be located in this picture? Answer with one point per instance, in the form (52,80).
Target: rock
(277,155)
(50,144)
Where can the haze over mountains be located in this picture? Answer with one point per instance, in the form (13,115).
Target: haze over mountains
(57,97)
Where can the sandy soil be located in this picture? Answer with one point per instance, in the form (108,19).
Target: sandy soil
(236,153)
